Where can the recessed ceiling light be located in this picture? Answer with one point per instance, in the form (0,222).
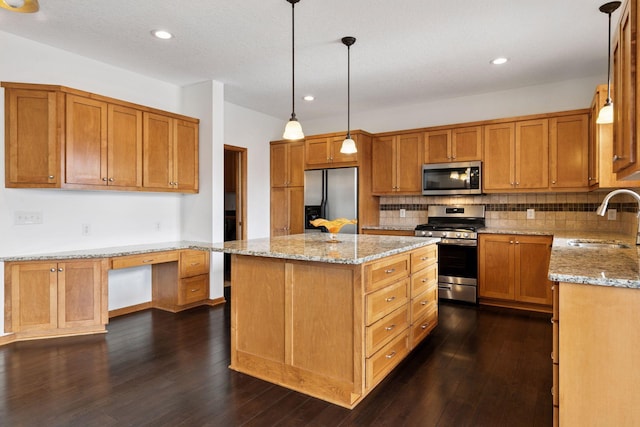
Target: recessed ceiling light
(309,98)
(162,34)
(499,61)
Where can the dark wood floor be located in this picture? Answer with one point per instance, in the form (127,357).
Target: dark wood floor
(480,367)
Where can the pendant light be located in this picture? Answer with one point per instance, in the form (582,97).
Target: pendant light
(606,112)
(348,145)
(293,129)
(22,6)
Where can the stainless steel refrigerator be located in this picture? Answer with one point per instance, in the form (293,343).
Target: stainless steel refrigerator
(331,194)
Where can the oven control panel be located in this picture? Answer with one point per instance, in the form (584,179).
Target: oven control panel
(447,234)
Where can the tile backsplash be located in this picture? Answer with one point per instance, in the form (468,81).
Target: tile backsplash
(552,211)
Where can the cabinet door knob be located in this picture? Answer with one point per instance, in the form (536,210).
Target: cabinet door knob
(51,177)
(60,269)
(553,182)
(104,179)
(111,179)
(53,270)
(511,242)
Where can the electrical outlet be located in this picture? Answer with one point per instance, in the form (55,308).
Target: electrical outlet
(531,214)
(403,213)
(611,214)
(157,226)
(86,229)
(27,217)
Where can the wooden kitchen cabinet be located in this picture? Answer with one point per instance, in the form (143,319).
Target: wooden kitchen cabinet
(58,137)
(453,145)
(596,379)
(287,164)
(103,144)
(516,156)
(601,174)
(397,164)
(170,153)
(287,211)
(324,152)
(569,152)
(49,299)
(513,271)
(182,285)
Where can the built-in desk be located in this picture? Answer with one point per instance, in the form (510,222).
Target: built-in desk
(66,293)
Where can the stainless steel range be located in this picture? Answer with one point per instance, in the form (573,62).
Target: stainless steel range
(458,250)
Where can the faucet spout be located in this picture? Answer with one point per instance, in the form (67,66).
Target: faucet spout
(602,209)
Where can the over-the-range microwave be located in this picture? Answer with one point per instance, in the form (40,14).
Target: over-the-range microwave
(452,178)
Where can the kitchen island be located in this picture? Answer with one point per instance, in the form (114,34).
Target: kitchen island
(329,319)
(596,338)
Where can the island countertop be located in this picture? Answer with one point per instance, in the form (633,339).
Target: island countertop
(351,249)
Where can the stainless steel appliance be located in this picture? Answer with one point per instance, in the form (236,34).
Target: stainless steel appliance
(452,178)
(458,250)
(331,194)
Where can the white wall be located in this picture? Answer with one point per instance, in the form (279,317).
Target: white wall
(558,96)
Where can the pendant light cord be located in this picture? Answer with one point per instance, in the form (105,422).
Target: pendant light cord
(349,92)
(608,101)
(293,62)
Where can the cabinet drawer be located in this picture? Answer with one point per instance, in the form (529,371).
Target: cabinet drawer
(385,300)
(422,327)
(386,271)
(385,329)
(423,303)
(143,259)
(193,263)
(193,289)
(424,279)
(381,363)
(420,258)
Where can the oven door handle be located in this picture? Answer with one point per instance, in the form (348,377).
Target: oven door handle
(458,242)
(445,287)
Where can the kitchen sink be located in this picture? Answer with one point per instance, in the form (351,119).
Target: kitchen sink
(602,244)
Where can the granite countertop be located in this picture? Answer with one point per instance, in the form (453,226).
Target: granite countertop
(389,227)
(352,248)
(110,252)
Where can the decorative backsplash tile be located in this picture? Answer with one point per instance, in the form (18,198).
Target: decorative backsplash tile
(553,211)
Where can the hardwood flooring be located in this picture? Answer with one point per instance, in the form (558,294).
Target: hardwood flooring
(480,367)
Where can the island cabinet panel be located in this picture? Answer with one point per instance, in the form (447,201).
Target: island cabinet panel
(324,328)
(599,379)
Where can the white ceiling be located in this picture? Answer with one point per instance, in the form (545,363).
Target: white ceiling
(407,51)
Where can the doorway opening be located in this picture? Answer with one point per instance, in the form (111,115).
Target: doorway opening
(235,200)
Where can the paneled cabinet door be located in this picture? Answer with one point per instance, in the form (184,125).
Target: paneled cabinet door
(569,152)
(124,146)
(34,297)
(466,144)
(437,146)
(499,157)
(287,164)
(170,153)
(287,211)
(33,130)
(532,265)
(383,179)
(86,141)
(79,294)
(397,164)
(497,266)
(532,154)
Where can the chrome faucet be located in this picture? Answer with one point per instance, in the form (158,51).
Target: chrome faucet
(602,209)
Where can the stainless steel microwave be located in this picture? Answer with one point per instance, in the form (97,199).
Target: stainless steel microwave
(452,178)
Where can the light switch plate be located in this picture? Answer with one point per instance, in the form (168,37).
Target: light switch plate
(403,213)
(27,217)
(531,214)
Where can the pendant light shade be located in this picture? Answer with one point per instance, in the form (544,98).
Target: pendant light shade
(348,145)
(22,6)
(606,112)
(293,129)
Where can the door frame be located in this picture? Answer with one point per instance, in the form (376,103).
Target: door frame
(240,157)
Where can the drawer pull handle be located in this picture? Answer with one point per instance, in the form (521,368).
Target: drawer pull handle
(389,328)
(390,355)
(424,302)
(424,258)
(389,271)
(424,280)
(390,299)
(194,290)
(424,326)
(147,260)
(195,263)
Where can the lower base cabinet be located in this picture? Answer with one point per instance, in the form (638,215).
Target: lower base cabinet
(595,351)
(513,271)
(49,299)
(332,331)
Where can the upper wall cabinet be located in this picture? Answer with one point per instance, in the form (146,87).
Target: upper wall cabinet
(397,164)
(57,137)
(324,152)
(453,145)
